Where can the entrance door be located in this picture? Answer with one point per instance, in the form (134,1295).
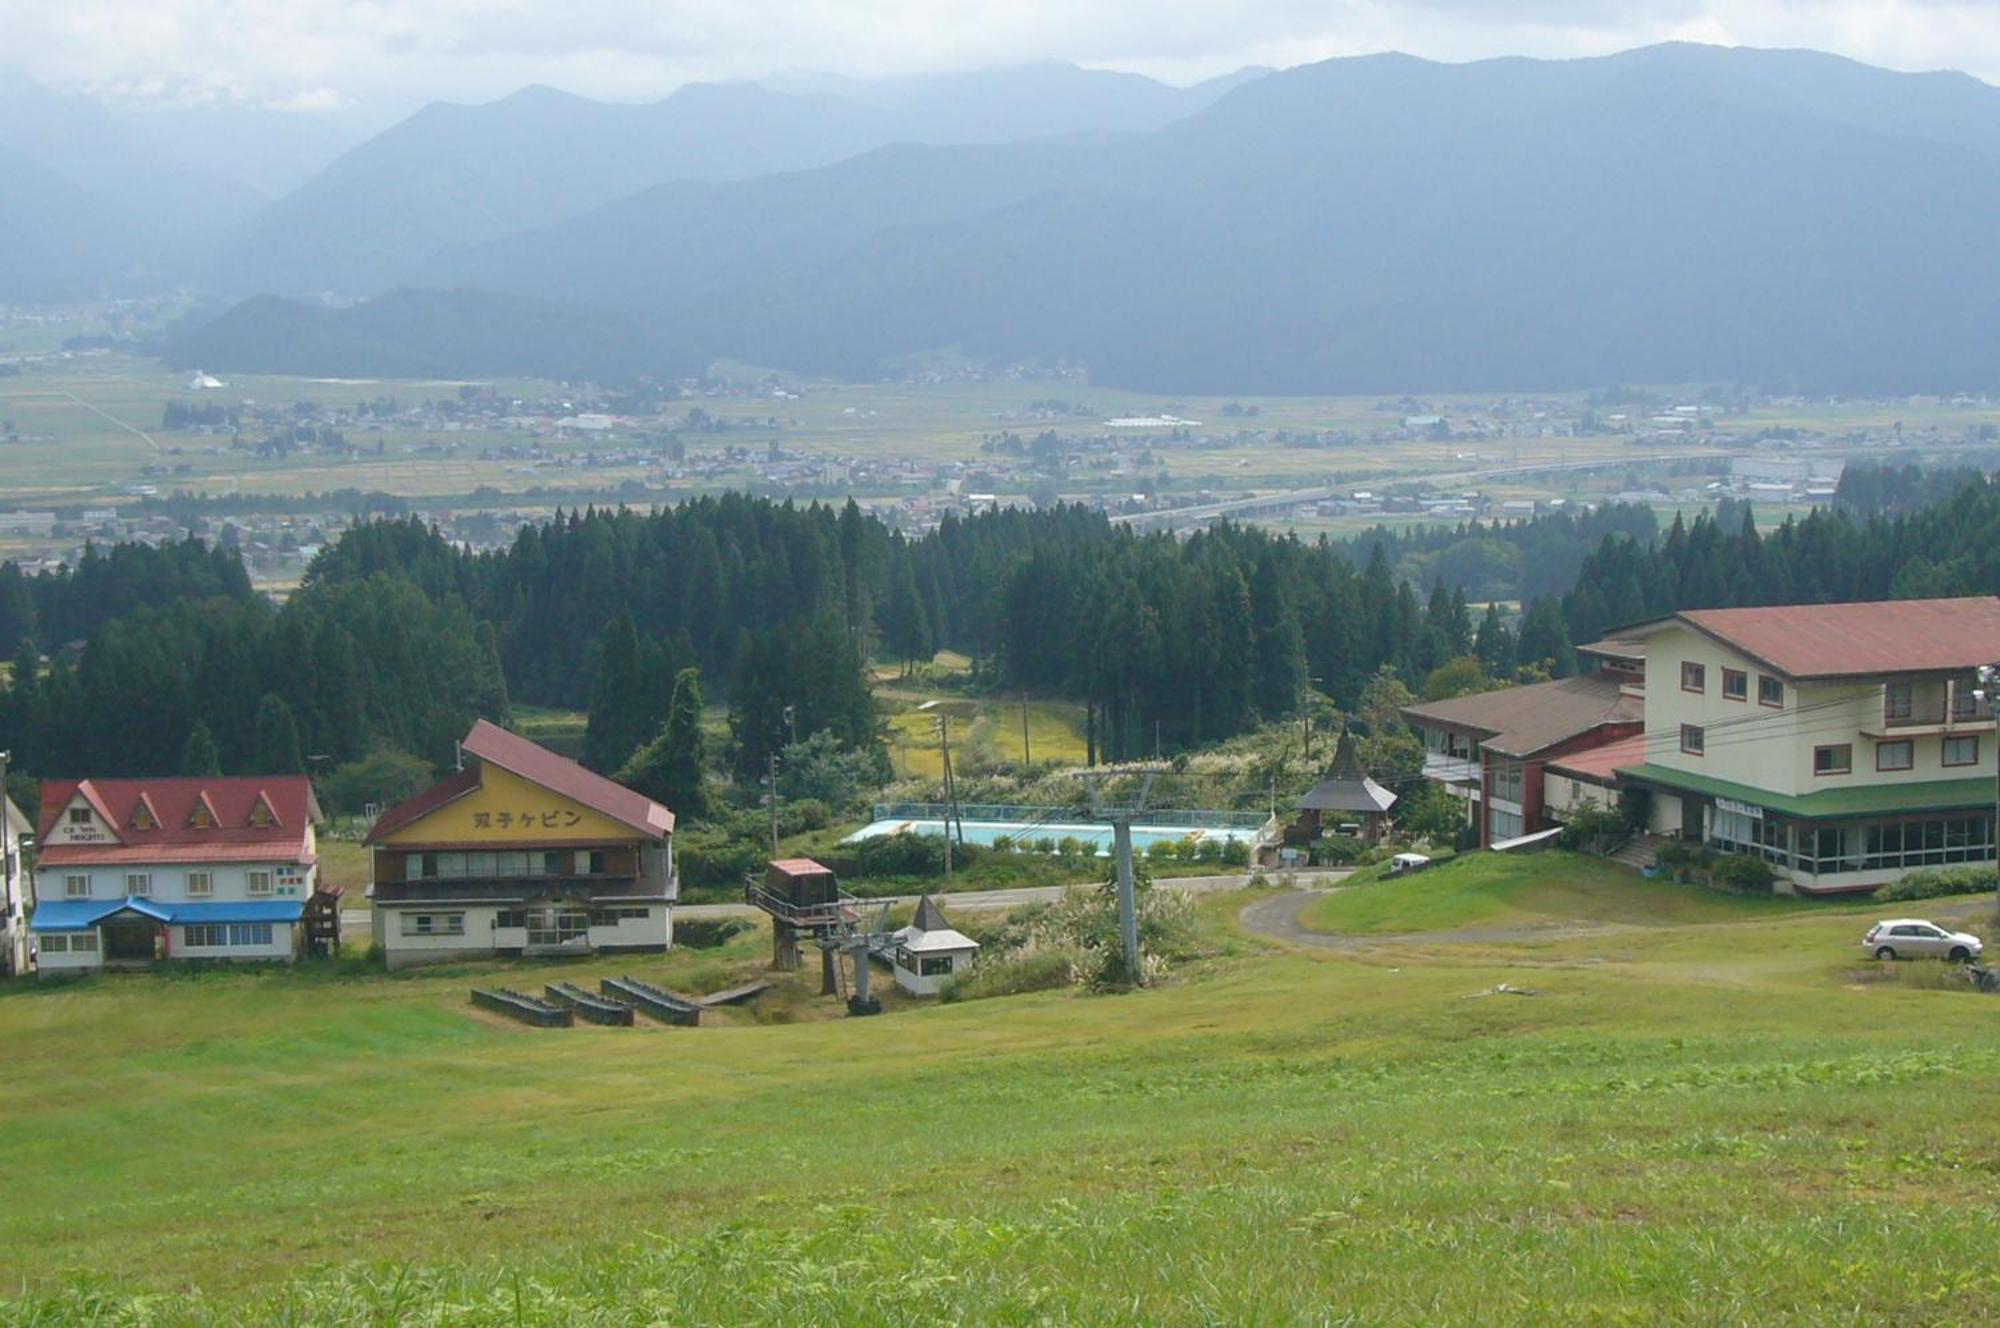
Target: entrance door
(1691,827)
(129,942)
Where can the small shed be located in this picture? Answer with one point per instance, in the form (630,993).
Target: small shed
(929,951)
(1345,797)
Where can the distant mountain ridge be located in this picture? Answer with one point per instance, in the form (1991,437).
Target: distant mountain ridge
(1367,224)
(453,175)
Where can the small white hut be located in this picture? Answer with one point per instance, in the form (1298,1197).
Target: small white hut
(929,951)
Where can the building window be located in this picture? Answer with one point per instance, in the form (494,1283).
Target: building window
(1834,759)
(260,882)
(512,918)
(1692,739)
(1899,701)
(79,816)
(204,936)
(1770,691)
(558,926)
(1961,751)
(1735,685)
(1899,755)
(83,942)
(1507,780)
(250,933)
(934,966)
(434,924)
(139,884)
(1502,825)
(611,917)
(76,886)
(1694,677)
(590,862)
(55,943)
(200,884)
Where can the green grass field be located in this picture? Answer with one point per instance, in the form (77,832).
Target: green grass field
(1671,1132)
(985,733)
(1493,891)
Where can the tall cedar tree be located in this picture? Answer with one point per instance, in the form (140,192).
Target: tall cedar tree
(201,757)
(277,750)
(671,769)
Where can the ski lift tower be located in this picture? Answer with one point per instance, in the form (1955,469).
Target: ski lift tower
(803,898)
(1119,814)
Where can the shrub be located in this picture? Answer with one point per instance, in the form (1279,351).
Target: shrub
(1337,852)
(1012,975)
(900,855)
(1938,882)
(1743,874)
(1072,847)
(1236,853)
(709,933)
(1003,843)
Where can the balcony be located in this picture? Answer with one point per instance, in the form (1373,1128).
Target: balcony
(512,889)
(1919,709)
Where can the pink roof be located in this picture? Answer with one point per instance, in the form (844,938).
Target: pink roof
(537,765)
(171,801)
(1599,764)
(1866,639)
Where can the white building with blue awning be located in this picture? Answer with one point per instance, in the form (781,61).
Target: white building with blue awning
(140,871)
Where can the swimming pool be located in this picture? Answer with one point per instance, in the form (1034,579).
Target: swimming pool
(1098,837)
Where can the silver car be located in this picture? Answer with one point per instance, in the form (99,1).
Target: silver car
(1914,938)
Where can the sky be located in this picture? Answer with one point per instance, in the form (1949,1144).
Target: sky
(389,56)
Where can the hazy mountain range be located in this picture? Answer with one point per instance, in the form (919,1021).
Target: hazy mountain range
(1371,224)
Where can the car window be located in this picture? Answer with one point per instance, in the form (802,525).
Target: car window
(1905,930)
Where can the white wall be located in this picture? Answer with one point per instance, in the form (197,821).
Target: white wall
(483,937)
(230,880)
(919,985)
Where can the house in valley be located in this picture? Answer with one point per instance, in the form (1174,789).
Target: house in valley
(522,852)
(138,871)
(1495,750)
(1842,743)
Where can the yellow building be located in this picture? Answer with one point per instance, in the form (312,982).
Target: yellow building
(523,852)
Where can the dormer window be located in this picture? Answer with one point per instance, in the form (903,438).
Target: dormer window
(143,818)
(79,816)
(201,816)
(261,815)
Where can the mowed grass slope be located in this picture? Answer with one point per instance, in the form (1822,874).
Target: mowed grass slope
(1482,891)
(1683,1133)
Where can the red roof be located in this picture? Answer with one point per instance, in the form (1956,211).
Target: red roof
(537,765)
(1600,764)
(171,802)
(448,789)
(1867,639)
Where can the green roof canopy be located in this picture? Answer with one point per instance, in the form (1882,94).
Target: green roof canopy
(1857,800)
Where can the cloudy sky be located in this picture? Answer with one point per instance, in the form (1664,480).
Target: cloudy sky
(388,55)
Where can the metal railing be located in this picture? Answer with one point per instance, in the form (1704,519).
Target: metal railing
(1027,815)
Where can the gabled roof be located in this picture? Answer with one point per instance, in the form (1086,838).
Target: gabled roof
(1857,640)
(1520,721)
(449,789)
(1346,788)
(538,765)
(172,802)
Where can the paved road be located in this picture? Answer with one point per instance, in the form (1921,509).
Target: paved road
(1277,919)
(354,922)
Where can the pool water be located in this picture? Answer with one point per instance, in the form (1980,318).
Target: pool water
(1097,836)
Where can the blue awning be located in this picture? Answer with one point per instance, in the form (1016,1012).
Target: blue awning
(78,914)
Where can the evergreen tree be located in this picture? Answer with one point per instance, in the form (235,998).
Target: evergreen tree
(277,746)
(671,769)
(201,757)
(619,704)
(1545,639)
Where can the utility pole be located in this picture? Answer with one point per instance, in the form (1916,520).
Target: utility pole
(950,789)
(1027,755)
(1989,684)
(772,780)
